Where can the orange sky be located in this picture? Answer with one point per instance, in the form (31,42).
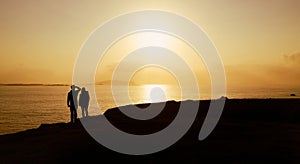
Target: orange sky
(259,41)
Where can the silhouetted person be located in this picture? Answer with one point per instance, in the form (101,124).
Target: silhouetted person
(72,102)
(84,99)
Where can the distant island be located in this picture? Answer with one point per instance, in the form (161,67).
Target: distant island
(33,84)
(104,82)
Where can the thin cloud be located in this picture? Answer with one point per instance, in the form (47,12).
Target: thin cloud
(278,75)
(292,59)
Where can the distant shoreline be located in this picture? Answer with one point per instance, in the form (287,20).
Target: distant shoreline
(34,84)
(55,84)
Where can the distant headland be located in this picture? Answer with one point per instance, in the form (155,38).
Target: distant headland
(32,84)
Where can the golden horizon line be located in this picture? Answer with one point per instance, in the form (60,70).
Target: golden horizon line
(106,82)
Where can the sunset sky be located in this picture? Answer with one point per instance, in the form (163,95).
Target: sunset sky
(258,41)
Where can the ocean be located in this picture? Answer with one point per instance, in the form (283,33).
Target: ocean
(27,107)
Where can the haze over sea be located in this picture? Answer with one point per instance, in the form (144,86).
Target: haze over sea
(26,107)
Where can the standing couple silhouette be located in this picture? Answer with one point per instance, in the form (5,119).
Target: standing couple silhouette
(72,102)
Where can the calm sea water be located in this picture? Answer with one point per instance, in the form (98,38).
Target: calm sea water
(26,107)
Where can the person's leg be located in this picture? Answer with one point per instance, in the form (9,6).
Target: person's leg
(71,115)
(86,111)
(82,110)
(75,114)
(74,118)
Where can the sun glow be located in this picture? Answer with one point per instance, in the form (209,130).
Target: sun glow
(118,51)
(156,93)
(155,39)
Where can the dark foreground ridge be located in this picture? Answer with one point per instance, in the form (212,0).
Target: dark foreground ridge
(249,131)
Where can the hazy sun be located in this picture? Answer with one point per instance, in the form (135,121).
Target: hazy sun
(156,39)
(156,93)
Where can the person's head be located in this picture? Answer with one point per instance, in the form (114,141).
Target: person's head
(72,86)
(83,89)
